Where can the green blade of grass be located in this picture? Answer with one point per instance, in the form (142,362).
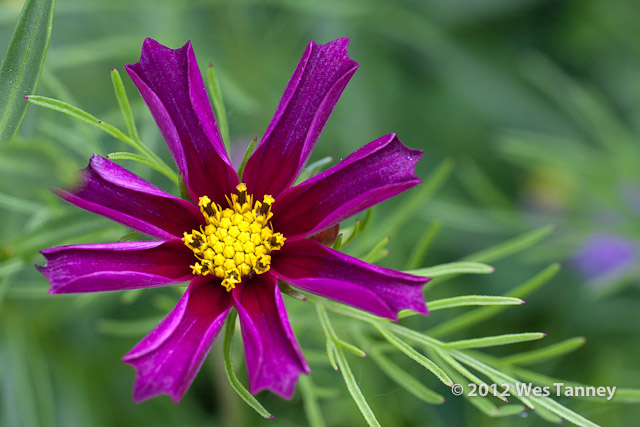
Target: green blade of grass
(77,113)
(472,300)
(543,354)
(231,374)
(123,102)
(484,313)
(354,390)
(453,268)
(310,401)
(406,380)
(432,183)
(22,63)
(495,340)
(413,354)
(423,245)
(218,105)
(513,246)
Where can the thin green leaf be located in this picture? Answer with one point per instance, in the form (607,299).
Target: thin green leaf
(331,333)
(345,310)
(484,404)
(422,246)
(357,229)
(313,169)
(228,367)
(328,331)
(548,415)
(310,401)
(562,411)
(22,63)
(401,216)
(404,379)
(125,107)
(82,115)
(413,354)
(627,395)
(472,300)
(544,402)
(286,288)
(218,105)
(377,252)
(354,390)
(246,156)
(495,340)
(544,354)
(453,268)
(123,155)
(480,314)
(513,246)
(510,410)
(466,373)
(495,375)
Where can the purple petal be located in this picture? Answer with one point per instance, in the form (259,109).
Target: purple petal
(168,359)
(274,360)
(171,84)
(315,268)
(376,172)
(312,92)
(116,266)
(112,191)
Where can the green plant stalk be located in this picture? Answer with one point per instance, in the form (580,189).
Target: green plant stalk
(218,106)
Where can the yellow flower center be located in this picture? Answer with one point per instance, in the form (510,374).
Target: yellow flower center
(237,241)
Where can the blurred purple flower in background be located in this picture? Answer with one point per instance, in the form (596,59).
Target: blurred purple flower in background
(605,255)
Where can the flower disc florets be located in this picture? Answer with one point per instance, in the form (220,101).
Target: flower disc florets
(236,241)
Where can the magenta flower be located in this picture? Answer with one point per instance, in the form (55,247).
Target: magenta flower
(237,239)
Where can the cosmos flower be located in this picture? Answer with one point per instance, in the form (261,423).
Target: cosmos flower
(234,240)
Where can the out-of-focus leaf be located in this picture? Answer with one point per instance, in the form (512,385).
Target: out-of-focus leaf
(311,407)
(543,354)
(22,63)
(480,314)
(513,246)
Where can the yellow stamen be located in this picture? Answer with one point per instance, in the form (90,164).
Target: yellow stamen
(237,241)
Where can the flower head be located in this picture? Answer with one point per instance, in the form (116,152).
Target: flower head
(235,240)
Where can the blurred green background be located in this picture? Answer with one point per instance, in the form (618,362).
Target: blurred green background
(536,101)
